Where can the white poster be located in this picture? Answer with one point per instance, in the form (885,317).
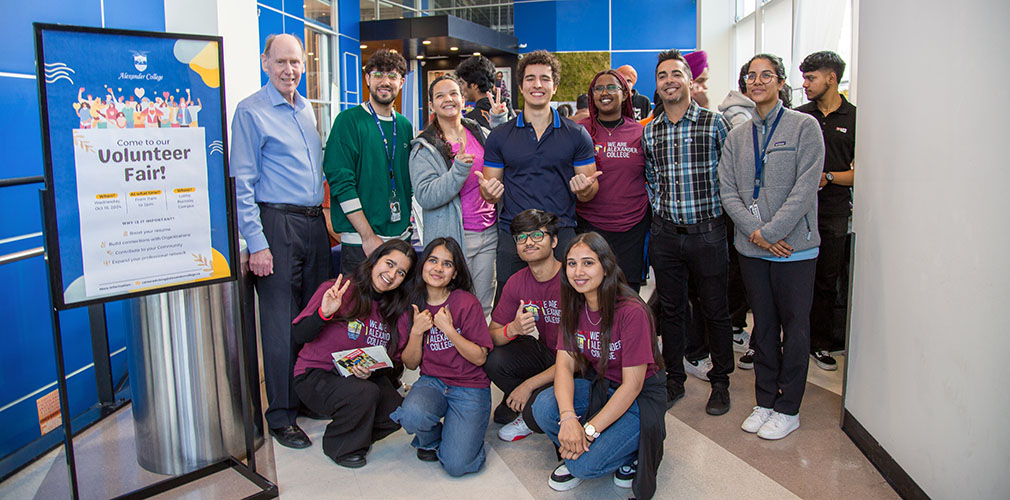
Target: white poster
(145,215)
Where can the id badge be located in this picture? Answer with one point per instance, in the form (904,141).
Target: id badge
(394,209)
(755,211)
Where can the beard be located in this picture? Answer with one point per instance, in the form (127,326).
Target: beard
(392,95)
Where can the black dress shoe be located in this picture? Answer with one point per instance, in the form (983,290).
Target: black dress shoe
(427,455)
(291,436)
(503,414)
(674,393)
(718,402)
(352,461)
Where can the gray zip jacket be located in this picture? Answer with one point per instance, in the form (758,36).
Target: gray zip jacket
(788,198)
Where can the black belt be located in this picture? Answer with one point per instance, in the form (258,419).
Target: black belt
(295,209)
(698,228)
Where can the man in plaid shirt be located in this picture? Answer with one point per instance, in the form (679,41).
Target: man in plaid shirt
(682,147)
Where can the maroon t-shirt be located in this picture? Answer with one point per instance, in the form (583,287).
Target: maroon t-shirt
(545,296)
(439,357)
(621,201)
(630,339)
(342,335)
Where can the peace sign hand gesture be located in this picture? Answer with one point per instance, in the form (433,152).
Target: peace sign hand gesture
(497,104)
(334,297)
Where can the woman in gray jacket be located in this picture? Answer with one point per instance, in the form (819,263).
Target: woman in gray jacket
(768,175)
(446,160)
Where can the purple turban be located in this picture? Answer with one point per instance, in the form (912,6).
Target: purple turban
(698,61)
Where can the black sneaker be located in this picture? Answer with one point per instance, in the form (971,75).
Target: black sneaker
(674,392)
(427,455)
(624,476)
(718,402)
(503,414)
(562,480)
(824,361)
(746,361)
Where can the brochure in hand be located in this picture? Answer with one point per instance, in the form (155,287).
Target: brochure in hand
(372,358)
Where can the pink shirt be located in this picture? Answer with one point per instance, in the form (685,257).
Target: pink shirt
(341,335)
(546,296)
(478,214)
(621,201)
(439,357)
(630,339)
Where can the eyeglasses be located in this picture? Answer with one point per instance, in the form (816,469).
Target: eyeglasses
(379,75)
(766,77)
(537,236)
(609,88)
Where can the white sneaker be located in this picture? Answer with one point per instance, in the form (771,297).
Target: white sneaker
(514,430)
(562,480)
(757,418)
(625,476)
(741,340)
(699,368)
(779,425)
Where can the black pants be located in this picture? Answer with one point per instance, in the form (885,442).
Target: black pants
(697,345)
(830,261)
(300,247)
(359,408)
(780,294)
(511,364)
(628,246)
(675,258)
(350,259)
(507,261)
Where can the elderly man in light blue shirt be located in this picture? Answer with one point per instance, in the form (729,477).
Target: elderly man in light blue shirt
(276,159)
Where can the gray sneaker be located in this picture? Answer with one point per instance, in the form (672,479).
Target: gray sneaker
(699,368)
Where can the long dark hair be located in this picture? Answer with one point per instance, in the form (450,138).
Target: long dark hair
(612,290)
(786,92)
(392,303)
(433,125)
(462,280)
(627,110)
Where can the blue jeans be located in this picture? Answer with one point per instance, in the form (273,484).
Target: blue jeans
(617,445)
(460,438)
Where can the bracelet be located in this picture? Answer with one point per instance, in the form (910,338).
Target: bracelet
(505,332)
(324,317)
(568,418)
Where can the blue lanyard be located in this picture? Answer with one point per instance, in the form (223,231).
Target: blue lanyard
(759,156)
(390,151)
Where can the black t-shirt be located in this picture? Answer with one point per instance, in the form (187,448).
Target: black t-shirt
(640,104)
(839,129)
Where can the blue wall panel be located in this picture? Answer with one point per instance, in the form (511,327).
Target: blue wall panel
(350,14)
(295,8)
(135,14)
(536,25)
(17,52)
(655,24)
(582,25)
(644,63)
(270,22)
(21,139)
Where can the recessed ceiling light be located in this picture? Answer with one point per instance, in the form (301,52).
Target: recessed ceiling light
(427,42)
(420,56)
(454,49)
(364,46)
(476,53)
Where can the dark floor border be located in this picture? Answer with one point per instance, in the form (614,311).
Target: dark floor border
(902,483)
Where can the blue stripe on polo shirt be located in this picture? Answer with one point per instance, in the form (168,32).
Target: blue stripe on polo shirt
(582,163)
(493,164)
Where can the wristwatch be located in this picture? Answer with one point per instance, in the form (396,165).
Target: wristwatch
(830,177)
(591,431)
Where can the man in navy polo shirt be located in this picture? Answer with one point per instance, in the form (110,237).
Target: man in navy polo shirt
(543,161)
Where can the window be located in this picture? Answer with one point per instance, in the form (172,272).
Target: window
(320,77)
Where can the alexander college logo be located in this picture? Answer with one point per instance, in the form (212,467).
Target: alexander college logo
(139,60)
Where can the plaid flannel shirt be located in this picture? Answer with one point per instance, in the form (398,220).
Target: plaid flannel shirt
(681,165)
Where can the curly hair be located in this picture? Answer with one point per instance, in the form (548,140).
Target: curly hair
(477,70)
(824,59)
(540,57)
(386,60)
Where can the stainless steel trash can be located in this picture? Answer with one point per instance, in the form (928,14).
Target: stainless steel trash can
(184,374)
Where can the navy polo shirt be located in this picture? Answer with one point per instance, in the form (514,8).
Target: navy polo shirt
(536,173)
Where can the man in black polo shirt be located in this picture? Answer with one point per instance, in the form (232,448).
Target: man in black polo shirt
(543,161)
(821,73)
(639,103)
(477,73)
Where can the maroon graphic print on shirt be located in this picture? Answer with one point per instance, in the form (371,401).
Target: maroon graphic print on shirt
(440,358)
(630,339)
(622,200)
(546,296)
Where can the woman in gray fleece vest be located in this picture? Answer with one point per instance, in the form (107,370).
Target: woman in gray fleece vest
(768,175)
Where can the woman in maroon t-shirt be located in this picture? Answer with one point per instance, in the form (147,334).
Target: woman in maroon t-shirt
(449,406)
(609,336)
(620,211)
(343,314)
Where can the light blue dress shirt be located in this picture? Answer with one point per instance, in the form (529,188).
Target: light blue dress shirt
(276,157)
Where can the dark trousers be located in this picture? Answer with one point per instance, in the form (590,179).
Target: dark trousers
(511,364)
(300,247)
(359,408)
(350,259)
(697,344)
(628,246)
(677,257)
(833,230)
(780,294)
(507,261)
